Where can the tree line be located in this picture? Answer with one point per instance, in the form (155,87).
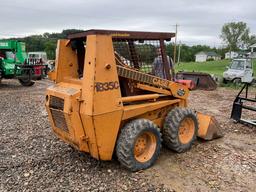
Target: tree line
(235,35)
(48,41)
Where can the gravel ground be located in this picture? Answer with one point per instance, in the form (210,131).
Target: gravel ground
(33,159)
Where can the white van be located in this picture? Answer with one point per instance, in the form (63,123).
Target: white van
(237,70)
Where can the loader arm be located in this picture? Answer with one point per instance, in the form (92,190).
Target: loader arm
(153,83)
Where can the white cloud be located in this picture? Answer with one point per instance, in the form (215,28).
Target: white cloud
(200,21)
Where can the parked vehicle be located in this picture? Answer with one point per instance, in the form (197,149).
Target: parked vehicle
(237,70)
(40,61)
(106,100)
(14,64)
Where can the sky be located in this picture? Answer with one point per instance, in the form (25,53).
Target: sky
(199,21)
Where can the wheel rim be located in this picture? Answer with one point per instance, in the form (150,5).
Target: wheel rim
(145,146)
(186,130)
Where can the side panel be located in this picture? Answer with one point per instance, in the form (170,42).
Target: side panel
(101,94)
(86,106)
(66,61)
(106,128)
(106,85)
(21,54)
(62,105)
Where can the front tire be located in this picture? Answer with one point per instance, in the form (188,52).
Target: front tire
(1,76)
(26,82)
(225,81)
(180,129)
(138,145)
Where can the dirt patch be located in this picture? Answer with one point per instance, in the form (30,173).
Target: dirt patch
(225,164)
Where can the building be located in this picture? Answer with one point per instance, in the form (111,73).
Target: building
(204,56)
(253,50)
(231,55)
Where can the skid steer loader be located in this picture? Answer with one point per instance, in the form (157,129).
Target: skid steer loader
(114,93)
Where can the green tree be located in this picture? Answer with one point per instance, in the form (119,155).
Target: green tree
(50,47)
(187,53)
(146,53)
(252,40)
(235,34)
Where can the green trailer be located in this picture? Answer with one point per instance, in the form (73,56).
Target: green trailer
(15,64)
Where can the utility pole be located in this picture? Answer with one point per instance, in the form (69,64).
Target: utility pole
(179,53)
(175,44)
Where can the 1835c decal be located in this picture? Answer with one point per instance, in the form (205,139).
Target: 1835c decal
(105,86)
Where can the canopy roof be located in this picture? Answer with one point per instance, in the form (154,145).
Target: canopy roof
(116,34)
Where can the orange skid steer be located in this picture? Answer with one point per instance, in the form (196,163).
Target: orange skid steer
(114,93)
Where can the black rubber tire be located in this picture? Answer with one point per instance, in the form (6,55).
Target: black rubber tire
(1,76)
(26,83)
(225,81)
(237,81)
(171,129)
(126,141)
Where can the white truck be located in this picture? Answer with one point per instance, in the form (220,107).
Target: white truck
(240,70)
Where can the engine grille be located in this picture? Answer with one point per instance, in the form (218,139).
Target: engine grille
(59,119)
(56,103)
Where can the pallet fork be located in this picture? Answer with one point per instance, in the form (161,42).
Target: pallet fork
(243,102)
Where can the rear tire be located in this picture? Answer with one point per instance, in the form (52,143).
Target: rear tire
(180,129)
(138,145)
(26,83)
(237,81)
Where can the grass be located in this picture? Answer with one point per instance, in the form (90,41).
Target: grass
(213,67)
